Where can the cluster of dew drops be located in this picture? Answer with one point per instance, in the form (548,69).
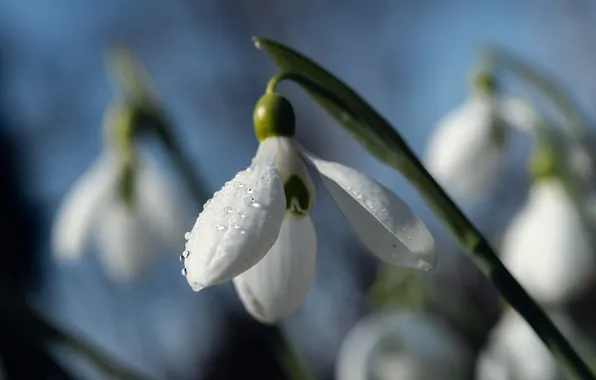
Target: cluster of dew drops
(232,218)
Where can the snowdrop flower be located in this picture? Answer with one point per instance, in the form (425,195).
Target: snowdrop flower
(546,247)
(466,152)
(257,229)
(515,352)
(405,345)
(126,233)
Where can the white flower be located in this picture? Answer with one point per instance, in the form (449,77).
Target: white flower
(466,152)
(402,345)
(126,235)
(257,230)
(515,352)
(547,248)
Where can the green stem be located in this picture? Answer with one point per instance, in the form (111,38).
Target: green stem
(574,118)
(460,226)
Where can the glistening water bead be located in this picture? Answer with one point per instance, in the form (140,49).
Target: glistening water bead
(187,236)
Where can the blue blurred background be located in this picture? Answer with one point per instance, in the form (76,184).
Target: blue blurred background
(411,60)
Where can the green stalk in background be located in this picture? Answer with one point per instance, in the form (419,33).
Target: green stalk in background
(382,141)
(496,58)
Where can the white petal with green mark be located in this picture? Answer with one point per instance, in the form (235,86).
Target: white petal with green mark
(384,223)
(239,224)
(275,288)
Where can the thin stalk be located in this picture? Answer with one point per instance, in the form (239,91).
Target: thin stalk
(550,90)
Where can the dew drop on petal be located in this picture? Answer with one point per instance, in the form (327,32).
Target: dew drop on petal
(186,254)
(238,185)
(228,209)
(184,271)
(197,286)
(187,236)
(249,201)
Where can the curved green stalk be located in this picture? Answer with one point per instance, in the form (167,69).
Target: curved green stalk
(383,142)
(497,57)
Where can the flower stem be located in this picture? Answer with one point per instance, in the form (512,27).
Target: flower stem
(575,119)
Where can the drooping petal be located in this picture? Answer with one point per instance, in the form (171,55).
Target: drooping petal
(275,288)
(385,224)
(547,247)
(160,208)
(463,154)
(405,345)
(78,211)
(239,224)
(126,246)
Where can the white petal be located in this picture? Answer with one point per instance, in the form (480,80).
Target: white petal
(78,211)
(547,248)
(159,206)
(276,287)
(518,114)
(239,224)
(461,155)
(125,245)
(397,344)
(385,224)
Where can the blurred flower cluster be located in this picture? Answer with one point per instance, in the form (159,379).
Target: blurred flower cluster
(547,245)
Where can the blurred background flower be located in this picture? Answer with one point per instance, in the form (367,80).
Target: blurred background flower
(408,59)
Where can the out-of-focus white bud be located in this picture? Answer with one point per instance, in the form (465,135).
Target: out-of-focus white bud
(547,248)
(405,345)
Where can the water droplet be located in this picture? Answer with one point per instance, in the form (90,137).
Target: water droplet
(249,190)
(242,232)
(219,227)
(249,201)
(197,286)
(236,226)
(228,210)
(265,179)
(239,185)
(187,236)
(359,196)
(186,254)
(181,258)
(255,205)
(184,272)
